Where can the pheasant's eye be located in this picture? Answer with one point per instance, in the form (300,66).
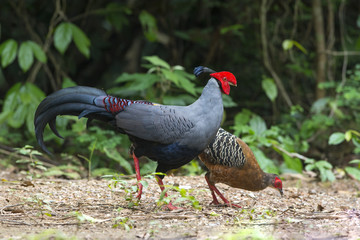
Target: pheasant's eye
(224,78)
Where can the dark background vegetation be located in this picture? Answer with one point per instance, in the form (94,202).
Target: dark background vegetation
(297,103)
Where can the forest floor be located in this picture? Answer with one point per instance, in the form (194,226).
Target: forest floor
(97,209)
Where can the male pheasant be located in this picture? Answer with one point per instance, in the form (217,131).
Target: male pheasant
(170,135)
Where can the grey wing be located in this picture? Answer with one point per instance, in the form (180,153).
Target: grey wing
(157,123)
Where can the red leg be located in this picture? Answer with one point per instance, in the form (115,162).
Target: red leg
(215,201)
(138,176)
(161,185)
(214,189)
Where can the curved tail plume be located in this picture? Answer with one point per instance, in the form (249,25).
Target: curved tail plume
(78,101)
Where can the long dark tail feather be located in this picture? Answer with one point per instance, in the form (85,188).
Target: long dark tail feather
(78,101)
(201,70)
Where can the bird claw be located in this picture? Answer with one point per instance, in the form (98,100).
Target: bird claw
(140,187)
(170,207)
(215,202)
(233,205)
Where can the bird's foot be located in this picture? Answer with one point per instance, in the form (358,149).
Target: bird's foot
(170,207)
(215,202)
(232,205)
(140,187)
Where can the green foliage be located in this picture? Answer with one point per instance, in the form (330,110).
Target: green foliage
(148,23)
(192,169)
(20,104)
(32,163)
(8,50)
(62,37)
(65,32)
(117,15)
(262,140)
(354,172)
(129,189)
(253,215)
(43,206)
(254,132)
(162,83)
(289,44)
(123,222)
(324,167)
(270,88)
(350,135)
(26,53)
(338,137)
(185,197)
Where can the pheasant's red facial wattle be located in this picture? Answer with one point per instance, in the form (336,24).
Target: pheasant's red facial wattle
(225,79)
(278,185)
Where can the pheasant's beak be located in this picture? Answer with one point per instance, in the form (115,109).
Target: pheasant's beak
(232,84)
(281,192)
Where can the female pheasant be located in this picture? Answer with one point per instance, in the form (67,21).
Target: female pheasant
(231,161)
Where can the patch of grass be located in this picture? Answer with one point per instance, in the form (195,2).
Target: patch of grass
(253,214)
(41,205)
(185,197)
(123,222)
(124,185)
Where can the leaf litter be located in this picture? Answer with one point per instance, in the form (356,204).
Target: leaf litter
(107,209)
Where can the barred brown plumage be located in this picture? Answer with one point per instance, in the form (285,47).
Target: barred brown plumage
(231,161)
(229,154)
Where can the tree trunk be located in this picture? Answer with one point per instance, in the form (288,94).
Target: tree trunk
(320,46)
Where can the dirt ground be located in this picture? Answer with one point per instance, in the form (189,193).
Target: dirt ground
(97,209)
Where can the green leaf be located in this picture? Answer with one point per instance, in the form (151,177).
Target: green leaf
(148,23)
(155,60)
(114,154)
(257,124)
(243,117)
(82,42)
(287,44)
(228,101)
(353,172)
(265,163)
(358,21)
(62,37)
(171,76)
(67,82)
(38,52)
(232,28)
(323,164)
(336,138)
(270,88)
(8,52)
(18,117)
(348,135)
(180,100)
(293,163)
(300,47)
(25,56)
(355,161)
